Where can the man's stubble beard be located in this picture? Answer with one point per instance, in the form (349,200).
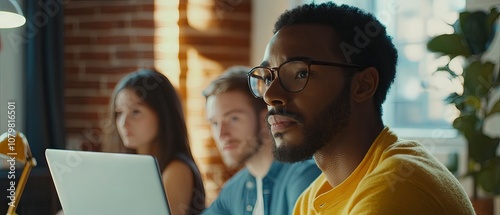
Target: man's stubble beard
(255,142)
(330,122)
(251,151)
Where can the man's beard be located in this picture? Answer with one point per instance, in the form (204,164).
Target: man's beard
(328,123)
(253,147)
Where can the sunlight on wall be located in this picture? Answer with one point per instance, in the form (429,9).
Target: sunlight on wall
(196,74)
(197,81)
(166,43)
(198,15)
(167,49)
(196,120)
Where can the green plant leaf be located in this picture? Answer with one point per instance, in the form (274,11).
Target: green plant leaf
(489,176)
(452,98)
(491,25)
(464,15)
(456,27)
(473,102)
(492,16)
(481,147)
(449,44)
(465,124)
(467,105)
(478,78)
(474,31)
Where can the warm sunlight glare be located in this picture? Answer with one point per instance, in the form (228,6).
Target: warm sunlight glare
(199,14)
(166,43)
(197,81)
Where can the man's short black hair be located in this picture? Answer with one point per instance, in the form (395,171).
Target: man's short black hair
(363,39)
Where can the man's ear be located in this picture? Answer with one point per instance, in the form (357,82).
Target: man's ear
(364,84)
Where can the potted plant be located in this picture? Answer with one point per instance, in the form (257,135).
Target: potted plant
(478,98)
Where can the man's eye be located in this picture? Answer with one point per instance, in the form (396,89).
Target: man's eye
(267,79)
(302,74)
(234,118)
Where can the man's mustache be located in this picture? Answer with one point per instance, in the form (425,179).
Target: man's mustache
(283,112)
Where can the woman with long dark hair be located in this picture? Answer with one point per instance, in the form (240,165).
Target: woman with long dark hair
(147,118)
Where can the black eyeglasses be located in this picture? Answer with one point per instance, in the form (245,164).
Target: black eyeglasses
(293,75)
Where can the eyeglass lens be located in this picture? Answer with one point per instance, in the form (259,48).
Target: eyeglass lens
(292,76)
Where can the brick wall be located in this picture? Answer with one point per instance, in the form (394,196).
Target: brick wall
(190,41)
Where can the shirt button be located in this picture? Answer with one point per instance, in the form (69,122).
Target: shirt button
(249,184)
(249,208)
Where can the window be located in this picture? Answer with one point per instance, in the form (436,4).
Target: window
(414,106)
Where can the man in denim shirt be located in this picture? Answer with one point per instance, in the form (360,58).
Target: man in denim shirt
(237,121)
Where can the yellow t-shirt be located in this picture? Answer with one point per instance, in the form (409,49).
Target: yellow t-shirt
(395,177)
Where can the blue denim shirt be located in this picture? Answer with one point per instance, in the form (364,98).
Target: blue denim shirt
(281,187)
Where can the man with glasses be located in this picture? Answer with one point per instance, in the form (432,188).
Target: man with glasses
(238,124)
(324,76)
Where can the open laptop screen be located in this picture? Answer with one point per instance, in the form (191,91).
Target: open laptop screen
(107,183)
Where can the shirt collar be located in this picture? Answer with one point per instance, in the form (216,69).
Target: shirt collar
(273,172)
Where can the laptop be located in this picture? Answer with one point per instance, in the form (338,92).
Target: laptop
(107,183)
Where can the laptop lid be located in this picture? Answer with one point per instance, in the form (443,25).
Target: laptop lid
(107,183)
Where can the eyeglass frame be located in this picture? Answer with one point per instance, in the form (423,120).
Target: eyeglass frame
(275,72)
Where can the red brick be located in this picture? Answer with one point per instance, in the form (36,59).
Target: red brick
(82,115)
(77,40)
(92,70)
(74,131)
(234,25)
(114,9)
(71,69)
(112,40)
(79,11)
(148,8)
(99,24)
(145,39)
(80,84)
(215,40)
(134,54)
(143,23)
(71,56)
(94,56)
(79,100)
(69,27)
